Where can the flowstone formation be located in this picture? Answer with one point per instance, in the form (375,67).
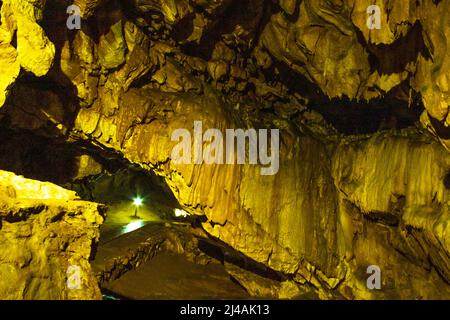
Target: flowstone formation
(342,200)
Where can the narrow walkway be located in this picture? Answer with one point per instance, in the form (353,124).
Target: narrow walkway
(132,260)
(120,219)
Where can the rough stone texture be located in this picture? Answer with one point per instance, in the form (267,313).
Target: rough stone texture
(326,215)
(398,200)
(44,229)
(324,41)
(258,286)
(9,66)
(337,205)
(321,40)
(33,52)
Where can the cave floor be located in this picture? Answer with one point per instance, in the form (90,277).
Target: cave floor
(172,276)
(120,219)
(131,256)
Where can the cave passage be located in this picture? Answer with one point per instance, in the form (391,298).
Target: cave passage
(113,115)
(140,209)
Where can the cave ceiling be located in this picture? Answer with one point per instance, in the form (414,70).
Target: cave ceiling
(264,51)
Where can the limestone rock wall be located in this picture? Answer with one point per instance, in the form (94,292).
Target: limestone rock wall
(392,196)
(23,42)
(136,72)
(328,41)
(328,214)
(44,230)
(325,41)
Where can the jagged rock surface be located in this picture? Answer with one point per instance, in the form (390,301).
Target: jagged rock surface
(44,229)
(337,205)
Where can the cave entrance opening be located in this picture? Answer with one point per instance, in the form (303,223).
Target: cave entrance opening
(161,253)
(135,198)
(95,175)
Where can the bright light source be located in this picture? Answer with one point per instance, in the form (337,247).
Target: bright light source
(138,201)
(133,226)
(180,213)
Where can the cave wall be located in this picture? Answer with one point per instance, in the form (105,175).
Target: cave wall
(392,196)
(337,204)
(327,213)
(44,230)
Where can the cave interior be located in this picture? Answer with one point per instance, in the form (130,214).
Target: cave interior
(359,122)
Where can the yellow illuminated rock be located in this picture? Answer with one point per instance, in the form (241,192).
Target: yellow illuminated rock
(34,51)
(44,231)
(10,68)
(363,115)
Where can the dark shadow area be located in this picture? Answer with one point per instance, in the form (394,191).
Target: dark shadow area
(246,13)
(184,28)
(45,99)
(394,57)
(384,218)
(36,157)
(224,253)
(447,180)
(353,117)
(440,128)
(349,117)
(95,26)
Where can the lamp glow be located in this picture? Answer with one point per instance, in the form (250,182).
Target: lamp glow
(138,201)
(180,213)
